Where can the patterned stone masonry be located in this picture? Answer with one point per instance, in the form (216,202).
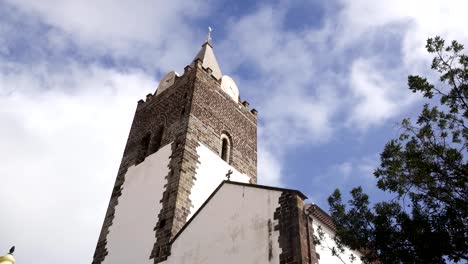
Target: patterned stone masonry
(214,112)
(193,110)
(294,232)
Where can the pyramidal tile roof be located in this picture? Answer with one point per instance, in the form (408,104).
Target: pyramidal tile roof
(208,59)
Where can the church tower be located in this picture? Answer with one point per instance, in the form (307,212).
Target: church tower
(183,141)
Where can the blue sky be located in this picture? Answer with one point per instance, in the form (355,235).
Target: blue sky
(327,77)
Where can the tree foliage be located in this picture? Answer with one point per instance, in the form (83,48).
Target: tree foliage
(426,169)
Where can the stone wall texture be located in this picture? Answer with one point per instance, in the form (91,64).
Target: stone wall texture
(294,229)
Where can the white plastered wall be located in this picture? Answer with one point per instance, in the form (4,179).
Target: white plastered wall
(131,237)
(210,173)
(324,250)
(231,228)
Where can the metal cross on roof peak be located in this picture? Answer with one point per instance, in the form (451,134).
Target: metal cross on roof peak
(228,175)
(208,38)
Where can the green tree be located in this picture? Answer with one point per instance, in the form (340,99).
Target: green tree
(426,170)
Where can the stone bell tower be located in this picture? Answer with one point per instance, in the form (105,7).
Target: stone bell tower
(183,140)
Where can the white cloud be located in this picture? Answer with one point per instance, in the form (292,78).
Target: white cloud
(269,168)
(375,96)
(380,90)
(155,33)
(60,152)
(421,19)
(345,168)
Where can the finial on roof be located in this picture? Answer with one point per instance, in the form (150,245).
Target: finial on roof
(207,57)
(208,38)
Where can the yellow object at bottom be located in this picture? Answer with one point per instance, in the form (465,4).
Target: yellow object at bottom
(7,259)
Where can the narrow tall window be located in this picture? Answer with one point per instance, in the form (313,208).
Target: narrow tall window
(143,149)
(156,140)
(182,113)
(225,148)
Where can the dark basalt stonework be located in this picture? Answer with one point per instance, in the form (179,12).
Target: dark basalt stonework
(295,231)
(192,111)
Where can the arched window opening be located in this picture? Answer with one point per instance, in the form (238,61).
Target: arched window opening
(225,148)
